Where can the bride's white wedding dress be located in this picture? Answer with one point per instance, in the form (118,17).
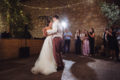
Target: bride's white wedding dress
(45,64)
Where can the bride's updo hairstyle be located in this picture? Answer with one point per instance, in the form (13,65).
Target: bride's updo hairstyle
(48,22)
(56,16)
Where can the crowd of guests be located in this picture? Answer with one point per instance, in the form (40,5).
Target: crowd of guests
(111,43)
(85,42)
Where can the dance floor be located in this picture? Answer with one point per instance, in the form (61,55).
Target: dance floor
(76,68)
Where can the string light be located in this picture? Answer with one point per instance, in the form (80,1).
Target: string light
(47,8)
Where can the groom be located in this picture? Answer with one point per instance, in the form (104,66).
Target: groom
(57,33)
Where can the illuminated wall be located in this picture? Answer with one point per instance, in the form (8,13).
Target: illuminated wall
(3,25)
(82,14)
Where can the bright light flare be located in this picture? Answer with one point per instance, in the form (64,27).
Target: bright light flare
(64,24)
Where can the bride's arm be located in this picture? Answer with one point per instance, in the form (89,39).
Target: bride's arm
(53,30)
(44,30)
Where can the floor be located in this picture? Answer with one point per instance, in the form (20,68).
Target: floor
(76,68)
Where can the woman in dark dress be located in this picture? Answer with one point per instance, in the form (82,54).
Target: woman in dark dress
(91,35)
(77,42)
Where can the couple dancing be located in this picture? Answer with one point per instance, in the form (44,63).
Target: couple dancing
(50,60)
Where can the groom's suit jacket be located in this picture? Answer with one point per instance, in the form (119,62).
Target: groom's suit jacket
(57,30)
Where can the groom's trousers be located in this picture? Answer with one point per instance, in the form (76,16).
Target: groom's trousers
(57,48)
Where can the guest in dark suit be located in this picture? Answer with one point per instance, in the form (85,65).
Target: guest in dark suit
(105,42)
(113,44)
(77,42)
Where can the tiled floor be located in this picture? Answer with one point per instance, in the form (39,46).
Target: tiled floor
(76,68)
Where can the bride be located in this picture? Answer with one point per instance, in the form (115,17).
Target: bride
(45,63)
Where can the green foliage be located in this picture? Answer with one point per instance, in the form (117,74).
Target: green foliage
(112,12)
(12,11)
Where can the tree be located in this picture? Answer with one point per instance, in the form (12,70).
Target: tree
(12,11)
(112,12)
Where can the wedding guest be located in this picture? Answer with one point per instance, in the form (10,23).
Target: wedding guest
(77,42)
(82,35)
(67,40)
(85,46)
(105,41)
(112,43)
(91,36)
(117,44)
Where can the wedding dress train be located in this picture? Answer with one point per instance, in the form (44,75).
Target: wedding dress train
(45,64)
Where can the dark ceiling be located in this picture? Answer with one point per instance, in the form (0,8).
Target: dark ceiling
(61,2)
(114,1)
(49,3)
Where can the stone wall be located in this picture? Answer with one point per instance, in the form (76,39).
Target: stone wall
(3,25)
(84,15)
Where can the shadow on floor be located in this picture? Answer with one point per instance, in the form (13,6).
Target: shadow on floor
(80,69)
(19,69)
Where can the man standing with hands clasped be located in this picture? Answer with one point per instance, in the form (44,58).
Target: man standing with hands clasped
(67,40)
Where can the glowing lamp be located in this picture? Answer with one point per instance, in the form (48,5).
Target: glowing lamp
(64,24)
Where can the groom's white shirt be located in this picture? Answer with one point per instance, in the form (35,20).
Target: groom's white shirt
(56,30)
